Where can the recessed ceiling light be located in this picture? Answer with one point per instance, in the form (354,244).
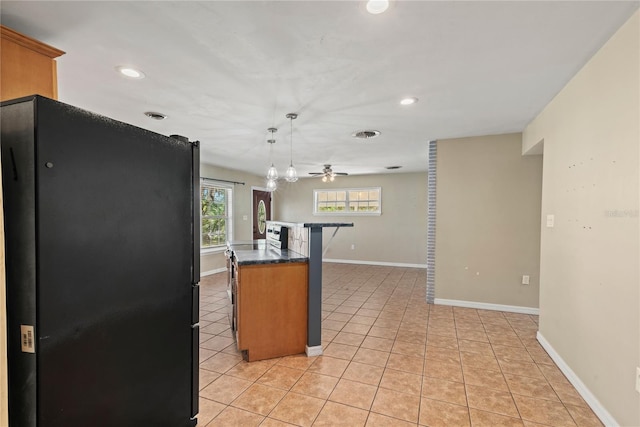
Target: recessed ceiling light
(408,100)
(392,167)
(130,72)
(376,7)
(155,116)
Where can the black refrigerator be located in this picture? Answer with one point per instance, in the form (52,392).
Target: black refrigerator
(102,263)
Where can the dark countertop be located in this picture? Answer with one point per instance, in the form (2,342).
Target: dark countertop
(312,224)
(258,252)
(237,245)
(327,224)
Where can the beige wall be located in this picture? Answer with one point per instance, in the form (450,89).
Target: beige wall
(487,221)
(590,286)
(398,235)
(241,208)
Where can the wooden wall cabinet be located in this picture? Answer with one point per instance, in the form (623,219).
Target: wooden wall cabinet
(27,66)
(272,309)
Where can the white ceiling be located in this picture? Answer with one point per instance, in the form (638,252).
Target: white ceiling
(224,72)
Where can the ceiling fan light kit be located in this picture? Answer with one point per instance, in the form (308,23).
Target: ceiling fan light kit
(327,174)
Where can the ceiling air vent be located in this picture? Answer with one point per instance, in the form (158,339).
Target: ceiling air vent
(365,134)
(155,116)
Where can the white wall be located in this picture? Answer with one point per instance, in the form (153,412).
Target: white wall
(487,221)
(589,279)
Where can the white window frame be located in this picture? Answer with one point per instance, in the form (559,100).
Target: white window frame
(347,212)
(229,217)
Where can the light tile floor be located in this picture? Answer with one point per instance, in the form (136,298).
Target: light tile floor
(390,359)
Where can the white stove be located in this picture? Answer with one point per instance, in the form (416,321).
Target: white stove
(277,236)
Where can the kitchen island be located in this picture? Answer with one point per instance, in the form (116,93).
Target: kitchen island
(306,239)
(276,294)
(269,293)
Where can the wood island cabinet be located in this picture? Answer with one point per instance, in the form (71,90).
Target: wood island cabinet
(272,309)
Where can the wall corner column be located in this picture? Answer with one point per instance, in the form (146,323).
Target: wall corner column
(431,222)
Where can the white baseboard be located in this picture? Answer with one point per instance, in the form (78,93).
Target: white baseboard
(315,350)
(388,264)
(604,415)
(210,272)
(488,306)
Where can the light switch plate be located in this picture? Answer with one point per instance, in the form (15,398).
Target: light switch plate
(638,380)
(550,221)
(525,279)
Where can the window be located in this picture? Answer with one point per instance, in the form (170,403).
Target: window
(216,219)
(348,201)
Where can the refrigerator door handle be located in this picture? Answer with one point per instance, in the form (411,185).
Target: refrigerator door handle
(195,172)
(195,379)
(195,304)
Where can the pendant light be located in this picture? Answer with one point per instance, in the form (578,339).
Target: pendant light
(272,173)
(271,184)
(291,175)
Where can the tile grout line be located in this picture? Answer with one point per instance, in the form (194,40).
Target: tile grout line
(399,300)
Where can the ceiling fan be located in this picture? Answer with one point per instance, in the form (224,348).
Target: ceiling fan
(327,174)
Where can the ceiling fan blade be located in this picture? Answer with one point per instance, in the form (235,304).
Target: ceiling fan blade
(316,173)
(341,173)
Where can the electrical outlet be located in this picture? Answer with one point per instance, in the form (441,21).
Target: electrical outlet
(638,380)
(353,246)
(525,279)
